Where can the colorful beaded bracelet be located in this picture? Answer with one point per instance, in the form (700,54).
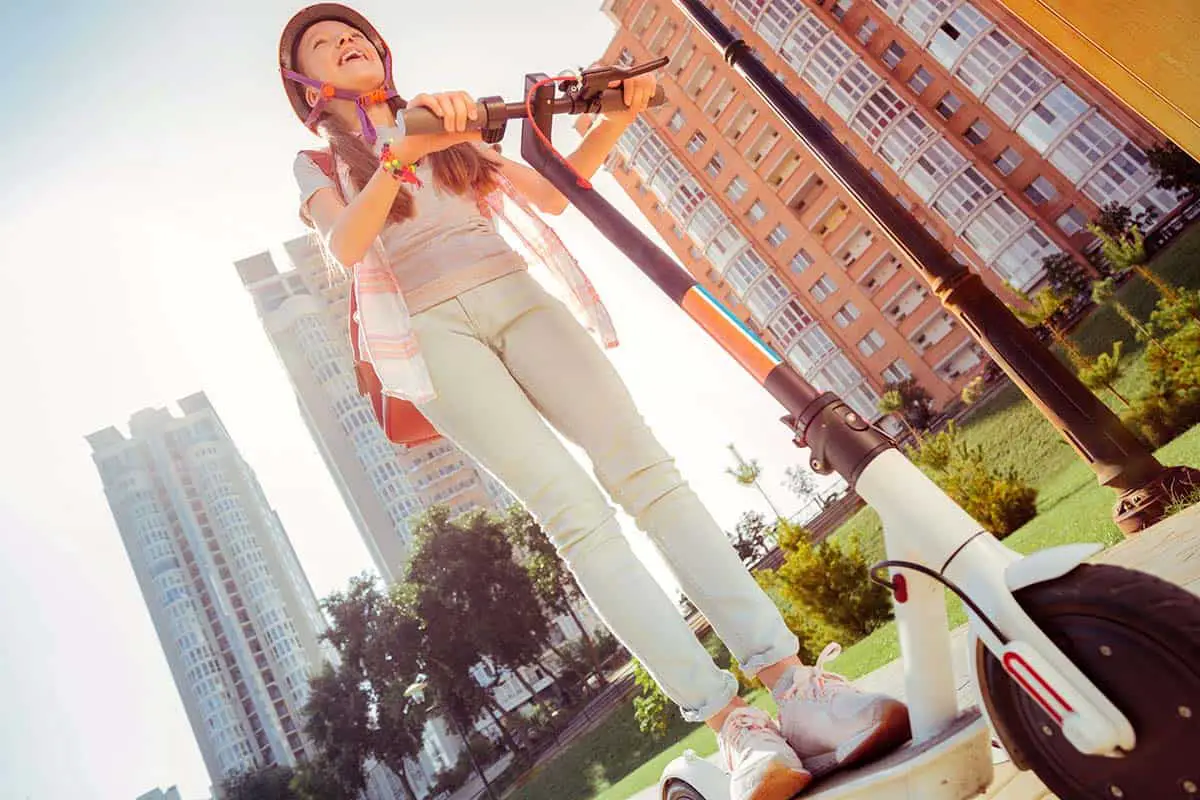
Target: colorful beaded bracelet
(405,173)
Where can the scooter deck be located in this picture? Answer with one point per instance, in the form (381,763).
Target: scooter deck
(955,765)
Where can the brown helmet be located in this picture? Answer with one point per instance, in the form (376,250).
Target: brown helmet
(295,83)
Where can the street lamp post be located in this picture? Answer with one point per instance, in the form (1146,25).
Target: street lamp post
(1119,460)
(416,692)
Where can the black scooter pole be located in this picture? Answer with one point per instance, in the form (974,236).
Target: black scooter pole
(840,440)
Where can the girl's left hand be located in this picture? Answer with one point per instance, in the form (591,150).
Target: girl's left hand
(638,91)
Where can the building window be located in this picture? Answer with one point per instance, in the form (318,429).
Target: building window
(1053,114)
(893,55)
(823,288)
(801,261)
(677,122)
(1041,191)
(1088,144)
(846,315)
(978,131)
(714,165)
(920,80)
(867,30)
(1072,221)
(948,105)
(896,371)
(736,189)
(870,344)
(854,84)
(766,140)
(697,141)
(1017,87)
(1008,161)
(954,35)
(841,8)
(777,236)
(757,212)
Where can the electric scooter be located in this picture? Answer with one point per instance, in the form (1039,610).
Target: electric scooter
(1088,674)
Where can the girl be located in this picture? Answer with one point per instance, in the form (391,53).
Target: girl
(496,365)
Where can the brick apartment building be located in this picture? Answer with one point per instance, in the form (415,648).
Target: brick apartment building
(997,145)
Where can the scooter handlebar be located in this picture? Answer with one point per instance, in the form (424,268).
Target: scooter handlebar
(494,113)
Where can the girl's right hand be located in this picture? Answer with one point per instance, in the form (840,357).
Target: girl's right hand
(455,109)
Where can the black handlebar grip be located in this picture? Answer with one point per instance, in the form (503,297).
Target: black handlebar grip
(421,121)
(614,99)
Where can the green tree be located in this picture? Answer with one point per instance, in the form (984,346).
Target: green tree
(1174,314)
(476,605)
(1176,170)
(263,783)
(358,710)
(973,390)
(803,485)
(1065,275)
(1040,312)
(1104,371)
(337,720)
(1116,220)
(891,402)
(917,404)
(651,708)
(553,583)
(318,779)
(750,537)
(747,473)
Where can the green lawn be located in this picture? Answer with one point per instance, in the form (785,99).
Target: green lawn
(616,760)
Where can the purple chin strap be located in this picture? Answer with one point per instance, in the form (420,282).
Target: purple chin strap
(362,101)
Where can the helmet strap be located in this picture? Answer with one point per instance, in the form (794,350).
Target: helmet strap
(362,101)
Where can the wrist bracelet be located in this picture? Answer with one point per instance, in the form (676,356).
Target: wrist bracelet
(405,173)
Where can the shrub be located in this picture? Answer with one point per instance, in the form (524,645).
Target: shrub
(1172,405)
(934,452)
(651,707)
(974,390)
(810,627)
(830,580)
(999,500)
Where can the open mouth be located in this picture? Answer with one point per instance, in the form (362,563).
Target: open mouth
(351,55)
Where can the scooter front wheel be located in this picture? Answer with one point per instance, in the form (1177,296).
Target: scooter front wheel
(1138,638)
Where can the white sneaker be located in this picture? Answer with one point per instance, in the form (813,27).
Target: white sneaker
(830,723)
(761,764)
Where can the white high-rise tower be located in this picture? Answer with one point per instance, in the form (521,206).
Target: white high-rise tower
(236,617)
(384,486)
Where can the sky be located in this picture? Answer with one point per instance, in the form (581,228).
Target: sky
(146,148)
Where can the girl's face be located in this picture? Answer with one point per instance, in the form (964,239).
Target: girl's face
(335,53)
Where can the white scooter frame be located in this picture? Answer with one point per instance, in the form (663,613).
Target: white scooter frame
(949,758)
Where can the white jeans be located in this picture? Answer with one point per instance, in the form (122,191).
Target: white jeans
(508,360)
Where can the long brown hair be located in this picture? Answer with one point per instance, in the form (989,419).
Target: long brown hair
(458,169)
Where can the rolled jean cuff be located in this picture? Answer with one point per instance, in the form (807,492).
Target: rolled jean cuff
(714,704)
(785,647)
